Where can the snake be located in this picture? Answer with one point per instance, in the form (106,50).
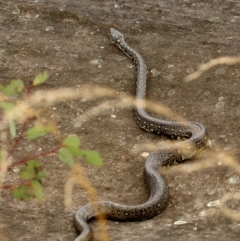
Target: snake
(194,136)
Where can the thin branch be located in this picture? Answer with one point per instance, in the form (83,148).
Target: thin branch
(26,159)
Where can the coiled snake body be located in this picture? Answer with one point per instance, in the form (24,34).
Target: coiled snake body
(195,136)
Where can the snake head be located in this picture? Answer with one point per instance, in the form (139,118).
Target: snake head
(116,36)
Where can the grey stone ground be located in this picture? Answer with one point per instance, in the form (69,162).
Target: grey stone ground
(67,38)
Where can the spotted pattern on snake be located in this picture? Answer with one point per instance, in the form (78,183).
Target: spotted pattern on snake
(194,137)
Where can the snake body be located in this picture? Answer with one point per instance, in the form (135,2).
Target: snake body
(195,138)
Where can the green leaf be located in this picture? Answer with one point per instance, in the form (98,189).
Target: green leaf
(75,151)
(27,174)
(22,193)
(38,131)
(32,170)
(72,140)
(93,158)
(16,86)
(7,106)
(72,143)
(28,171)
(41,175)
(65,156)
(33,164)
(40,78)
(28,191)
(12,127)
(37,190)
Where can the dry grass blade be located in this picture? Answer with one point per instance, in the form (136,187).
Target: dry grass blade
(204,67)
(88,92)
(79,177)
(230,213)
(126,101)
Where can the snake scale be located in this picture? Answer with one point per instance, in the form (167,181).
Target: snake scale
(194,135)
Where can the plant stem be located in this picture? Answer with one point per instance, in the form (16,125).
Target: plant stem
(26,159)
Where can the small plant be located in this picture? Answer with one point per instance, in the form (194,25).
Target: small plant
(32,173)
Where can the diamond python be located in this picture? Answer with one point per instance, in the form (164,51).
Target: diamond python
(195,138)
